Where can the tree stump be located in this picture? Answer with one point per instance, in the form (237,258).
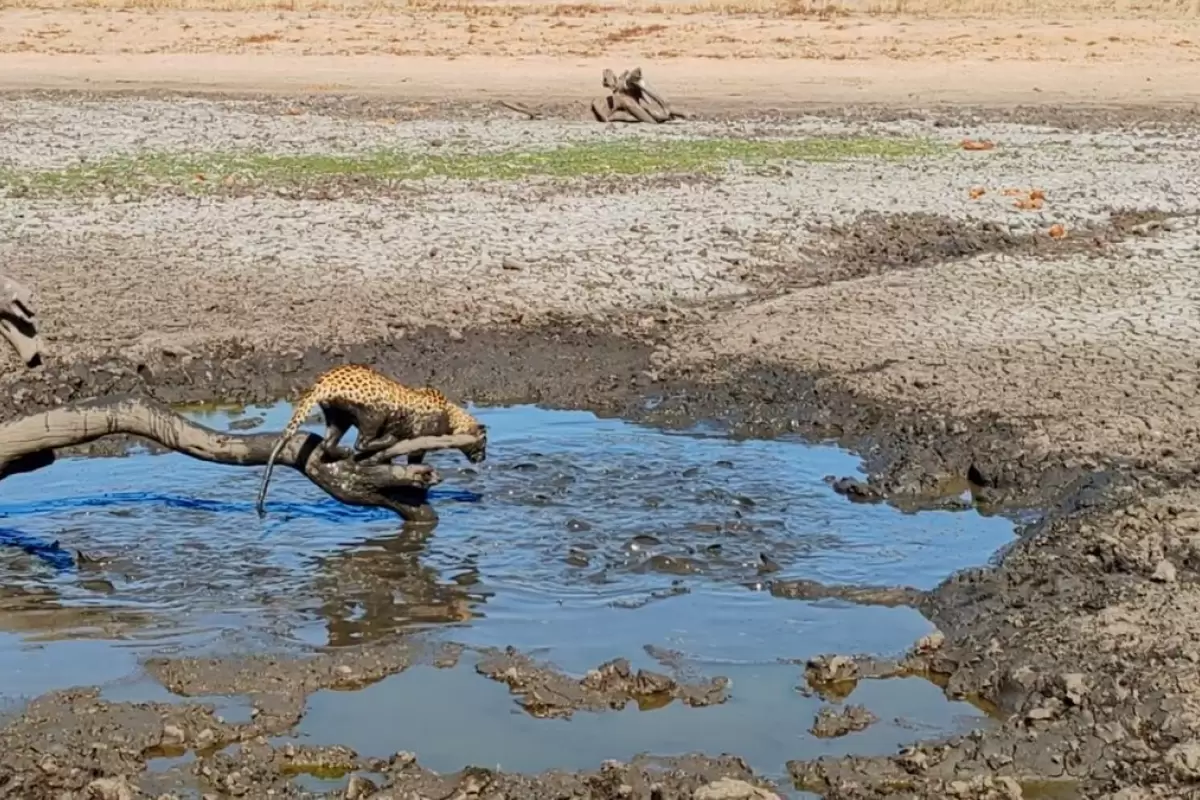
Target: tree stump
(630,99)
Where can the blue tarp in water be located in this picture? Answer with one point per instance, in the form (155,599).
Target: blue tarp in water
(50,552)
(61,559)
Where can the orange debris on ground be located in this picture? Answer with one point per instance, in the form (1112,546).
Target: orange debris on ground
(980,144)
(1031,200)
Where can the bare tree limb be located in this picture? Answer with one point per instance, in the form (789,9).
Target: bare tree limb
(422,445)
(28,444)
(17,323)
(521,108)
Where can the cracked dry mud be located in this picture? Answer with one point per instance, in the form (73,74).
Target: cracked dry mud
(878,304)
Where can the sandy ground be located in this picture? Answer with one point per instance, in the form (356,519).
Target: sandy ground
(943,334)
(705,61)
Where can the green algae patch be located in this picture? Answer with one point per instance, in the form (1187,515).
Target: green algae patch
(216,172)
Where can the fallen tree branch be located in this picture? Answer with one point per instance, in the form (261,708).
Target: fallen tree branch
(28,444)
(521,108)
(17,323)
(629,100)
(424,444)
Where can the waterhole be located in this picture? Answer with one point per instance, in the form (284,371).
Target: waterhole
(581,539)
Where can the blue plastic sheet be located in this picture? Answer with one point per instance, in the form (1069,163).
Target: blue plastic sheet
(60,559)
(50,552)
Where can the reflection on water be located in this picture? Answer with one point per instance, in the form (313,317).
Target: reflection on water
(380,586)
(591,539)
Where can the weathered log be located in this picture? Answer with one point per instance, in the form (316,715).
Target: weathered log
(630,99)
(17,321)
(28,444)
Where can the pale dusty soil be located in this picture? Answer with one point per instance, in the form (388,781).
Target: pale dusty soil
(701,60)
(1096,355)
(576,33)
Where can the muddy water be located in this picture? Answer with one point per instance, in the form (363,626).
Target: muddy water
(581,539)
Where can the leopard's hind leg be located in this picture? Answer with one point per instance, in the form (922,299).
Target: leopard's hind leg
(376,433)
(337,422)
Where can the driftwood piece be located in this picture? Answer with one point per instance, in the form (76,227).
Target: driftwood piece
(521,108)
(18,323)
(630,99)
(28,444)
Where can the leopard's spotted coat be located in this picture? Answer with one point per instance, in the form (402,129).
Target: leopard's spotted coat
(385,412)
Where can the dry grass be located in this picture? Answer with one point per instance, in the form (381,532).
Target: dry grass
(259,38)
(815,9)
(633,32)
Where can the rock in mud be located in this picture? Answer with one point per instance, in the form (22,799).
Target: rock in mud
(979,476)
(928,644)
(985,788)
(173,735)
(825,670)
(360,788)
(1184,760)
(801,589)
(1164,572)
(732,789)
(832,722)
(548,693)
(110,789)
(855,489)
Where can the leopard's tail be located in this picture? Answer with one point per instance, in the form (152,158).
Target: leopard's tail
(304,406)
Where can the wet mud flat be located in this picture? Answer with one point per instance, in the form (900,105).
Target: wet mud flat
(1078,641)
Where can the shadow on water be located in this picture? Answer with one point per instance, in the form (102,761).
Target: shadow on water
(579,540)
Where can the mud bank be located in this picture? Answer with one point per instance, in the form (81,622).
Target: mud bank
(1081,638)
(1072,586)
(74,743)
(914,458)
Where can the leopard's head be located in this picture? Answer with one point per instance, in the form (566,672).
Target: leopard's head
(477,450)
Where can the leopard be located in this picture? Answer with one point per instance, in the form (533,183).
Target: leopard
(385,412)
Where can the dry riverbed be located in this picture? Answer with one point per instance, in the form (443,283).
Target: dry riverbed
(1022,316)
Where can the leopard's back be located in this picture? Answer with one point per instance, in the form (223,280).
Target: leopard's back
(356,385)
(415,411)
(426,411)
